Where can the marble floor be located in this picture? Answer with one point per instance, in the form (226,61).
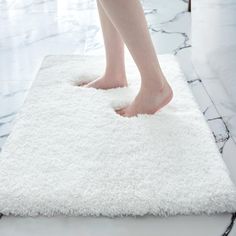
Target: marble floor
(32,29)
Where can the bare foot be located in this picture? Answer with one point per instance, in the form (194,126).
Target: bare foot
(107,82)
(148,102)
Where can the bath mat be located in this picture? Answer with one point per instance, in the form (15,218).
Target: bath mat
(70,153)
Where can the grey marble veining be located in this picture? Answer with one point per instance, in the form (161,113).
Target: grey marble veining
(214,54)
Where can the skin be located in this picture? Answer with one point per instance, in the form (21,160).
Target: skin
(114,75)
(122,22)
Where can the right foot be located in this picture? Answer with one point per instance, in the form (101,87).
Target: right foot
(105,82)
(148,101)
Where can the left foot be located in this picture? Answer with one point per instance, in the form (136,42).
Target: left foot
(148,102)
(107,82)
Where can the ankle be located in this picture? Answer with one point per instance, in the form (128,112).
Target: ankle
(154,86)
(115,76)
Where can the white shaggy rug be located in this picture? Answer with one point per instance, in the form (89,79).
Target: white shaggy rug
(70,153)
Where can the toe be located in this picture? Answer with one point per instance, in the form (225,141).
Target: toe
(83,83)
(121,111)
(127,114)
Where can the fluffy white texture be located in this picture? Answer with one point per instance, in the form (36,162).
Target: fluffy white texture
(70,153)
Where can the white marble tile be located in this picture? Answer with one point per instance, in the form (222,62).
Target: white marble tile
(229,158)
(6,4)
(126,226)
(222,60)
(219,95)
(213,53)
(163,11)
(173,34)
(22,30)
(201,96)
(12,96)
(231,123)
(213,29)
(167,41)
(184,58)
(51,5)
(223,103)
(217,123)
(12,102)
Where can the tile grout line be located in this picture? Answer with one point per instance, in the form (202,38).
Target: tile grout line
(213,103)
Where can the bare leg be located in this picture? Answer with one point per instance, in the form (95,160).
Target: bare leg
(114,75)
(129,19)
